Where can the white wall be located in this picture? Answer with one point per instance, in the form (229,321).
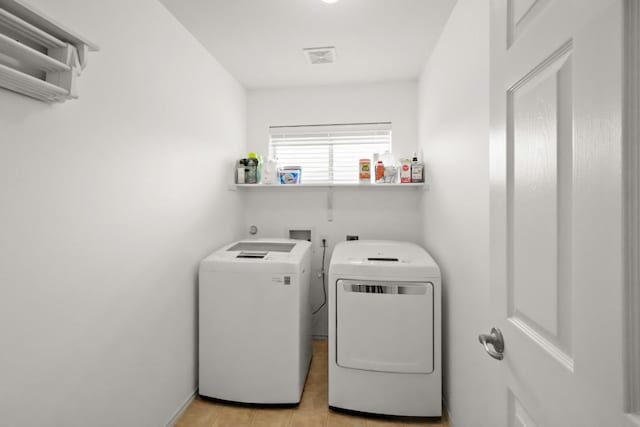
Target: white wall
(107,205)
(359,103)
(370,213)
(454,136)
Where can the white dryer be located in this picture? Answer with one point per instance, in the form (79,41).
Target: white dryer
(255,321)
(384,329)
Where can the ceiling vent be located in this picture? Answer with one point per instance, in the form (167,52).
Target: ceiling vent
(320,55)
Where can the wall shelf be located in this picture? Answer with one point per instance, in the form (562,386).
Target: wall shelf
(329,189)
(336,185)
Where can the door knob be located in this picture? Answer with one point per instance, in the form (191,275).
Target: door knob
(496,340)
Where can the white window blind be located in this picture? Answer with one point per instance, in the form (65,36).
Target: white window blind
(328,153)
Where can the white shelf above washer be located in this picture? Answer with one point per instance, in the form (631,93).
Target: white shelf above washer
(329,189)
(328,185)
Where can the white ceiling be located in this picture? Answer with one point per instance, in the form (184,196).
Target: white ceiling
(260,41)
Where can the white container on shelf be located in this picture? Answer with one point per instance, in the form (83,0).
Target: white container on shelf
(270,172)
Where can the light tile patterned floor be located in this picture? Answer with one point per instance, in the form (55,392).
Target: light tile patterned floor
(313,410)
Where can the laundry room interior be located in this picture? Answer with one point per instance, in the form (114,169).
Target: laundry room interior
(153,149)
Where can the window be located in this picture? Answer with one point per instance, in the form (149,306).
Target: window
(328,153)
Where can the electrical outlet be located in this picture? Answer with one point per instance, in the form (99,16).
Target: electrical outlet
(323,238)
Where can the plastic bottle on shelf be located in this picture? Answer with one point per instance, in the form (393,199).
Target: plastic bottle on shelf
(251,171)
(405,171)
(379,172)
(257,158)
(417,170)
(270,172)
(364,175)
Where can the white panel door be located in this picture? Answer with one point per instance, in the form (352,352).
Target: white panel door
(556,212)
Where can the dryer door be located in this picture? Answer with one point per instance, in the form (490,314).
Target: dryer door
(384,326)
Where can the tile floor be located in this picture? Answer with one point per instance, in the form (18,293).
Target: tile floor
(313,410)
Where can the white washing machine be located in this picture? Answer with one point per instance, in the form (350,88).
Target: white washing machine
(384,329)
(255,321)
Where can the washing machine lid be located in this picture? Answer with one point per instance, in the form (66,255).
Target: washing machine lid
(261,246)
(257,252)
(382,258)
